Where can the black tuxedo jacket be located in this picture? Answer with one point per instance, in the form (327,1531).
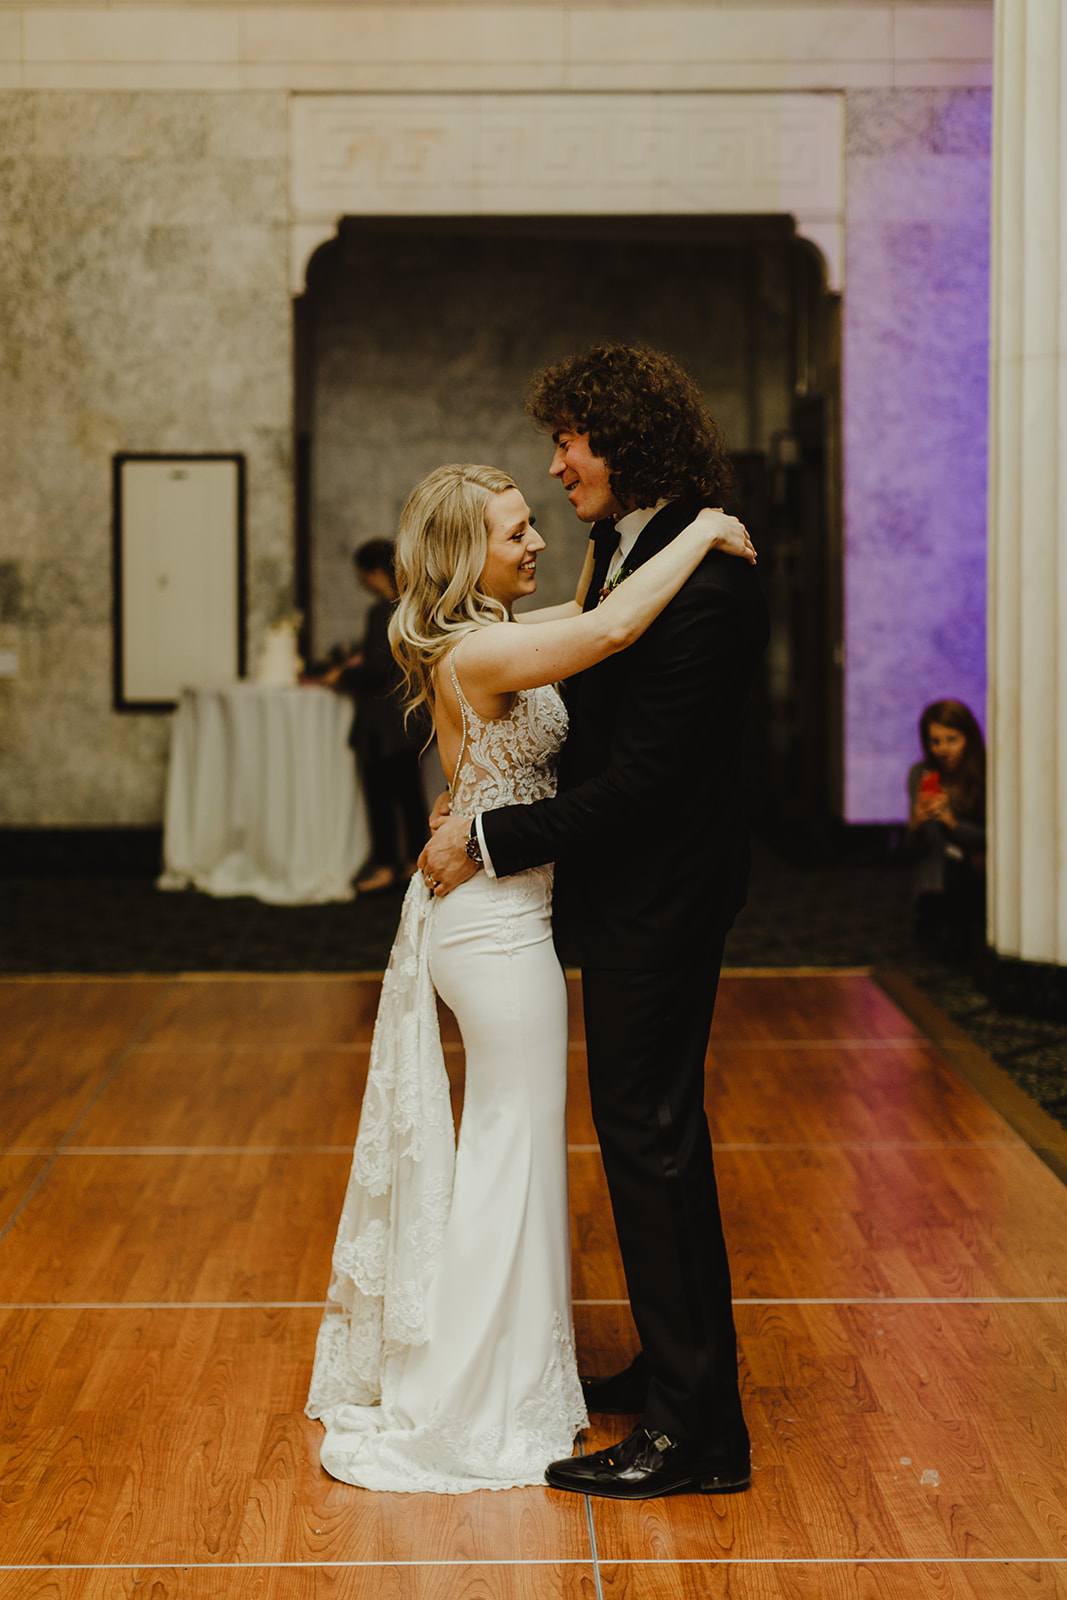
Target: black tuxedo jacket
(647,830)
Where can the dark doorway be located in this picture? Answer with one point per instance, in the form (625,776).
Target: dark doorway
(415,340)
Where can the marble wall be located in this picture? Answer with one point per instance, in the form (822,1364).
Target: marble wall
(148,233)
(146,308)
(916,349)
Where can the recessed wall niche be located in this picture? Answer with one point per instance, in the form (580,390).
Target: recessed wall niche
(421,337)
(417,338)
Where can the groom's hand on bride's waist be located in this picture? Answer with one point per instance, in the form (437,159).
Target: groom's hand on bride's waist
(442,810)
(444,862)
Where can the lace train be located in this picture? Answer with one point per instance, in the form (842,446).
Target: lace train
(450,1454)
(392,1225)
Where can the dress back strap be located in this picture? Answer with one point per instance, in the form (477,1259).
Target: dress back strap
(463,714)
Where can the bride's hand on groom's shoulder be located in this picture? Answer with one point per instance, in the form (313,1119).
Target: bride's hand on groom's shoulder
(728,533)
(444,862)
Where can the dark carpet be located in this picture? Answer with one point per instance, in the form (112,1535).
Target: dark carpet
(854,913)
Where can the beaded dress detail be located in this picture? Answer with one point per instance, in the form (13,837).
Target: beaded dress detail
(445,1361)
(511,760)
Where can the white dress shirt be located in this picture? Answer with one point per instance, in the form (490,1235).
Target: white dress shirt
(629,528)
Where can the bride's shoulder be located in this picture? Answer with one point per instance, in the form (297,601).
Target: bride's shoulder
(481,647)
(465,652)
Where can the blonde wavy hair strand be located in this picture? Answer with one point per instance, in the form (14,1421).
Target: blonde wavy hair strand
(441,546)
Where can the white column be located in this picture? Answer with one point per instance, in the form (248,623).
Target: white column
(1028,486)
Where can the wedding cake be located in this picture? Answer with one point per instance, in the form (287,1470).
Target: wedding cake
(279,665)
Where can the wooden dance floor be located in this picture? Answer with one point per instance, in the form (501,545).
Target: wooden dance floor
(174,1156)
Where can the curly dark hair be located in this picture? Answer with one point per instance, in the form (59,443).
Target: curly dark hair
(644,416)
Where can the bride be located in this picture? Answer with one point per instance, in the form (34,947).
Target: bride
(445,1360)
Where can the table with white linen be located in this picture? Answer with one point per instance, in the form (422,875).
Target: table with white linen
(262,796)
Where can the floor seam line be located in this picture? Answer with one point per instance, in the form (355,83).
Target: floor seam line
(65,1149)
(105,1083)
(318,1305)
(547,1561)
(591,1529)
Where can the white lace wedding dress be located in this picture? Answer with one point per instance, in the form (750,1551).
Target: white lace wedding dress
(445,1360)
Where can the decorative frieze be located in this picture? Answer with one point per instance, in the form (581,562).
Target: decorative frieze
(569,154)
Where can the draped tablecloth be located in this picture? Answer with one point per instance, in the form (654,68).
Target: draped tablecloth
(262,796)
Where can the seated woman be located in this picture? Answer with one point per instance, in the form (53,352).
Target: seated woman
(946,825)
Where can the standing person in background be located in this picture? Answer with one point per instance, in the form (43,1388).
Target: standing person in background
(648,836)
(387,751)
(946,826)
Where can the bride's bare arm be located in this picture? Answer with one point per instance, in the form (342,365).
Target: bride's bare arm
(732,538)
(503,658)
(569,608)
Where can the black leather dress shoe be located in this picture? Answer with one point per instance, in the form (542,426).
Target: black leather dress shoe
(622,1395)
(649,1464)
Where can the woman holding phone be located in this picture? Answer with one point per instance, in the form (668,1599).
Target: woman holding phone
(946,824)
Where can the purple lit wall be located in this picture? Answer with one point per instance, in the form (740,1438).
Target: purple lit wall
(915,389)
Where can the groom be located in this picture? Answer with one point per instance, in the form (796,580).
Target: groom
(651,861)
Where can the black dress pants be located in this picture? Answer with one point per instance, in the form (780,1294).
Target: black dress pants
(647,1036)
(392,789)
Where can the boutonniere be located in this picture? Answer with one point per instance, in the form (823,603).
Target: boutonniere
(623,573)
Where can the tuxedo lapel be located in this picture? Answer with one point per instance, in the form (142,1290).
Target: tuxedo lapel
(656,533)
(663,527)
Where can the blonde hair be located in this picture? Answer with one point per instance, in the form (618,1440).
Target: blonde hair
(441,547)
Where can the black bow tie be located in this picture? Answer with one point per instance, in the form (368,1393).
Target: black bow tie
(605,538)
